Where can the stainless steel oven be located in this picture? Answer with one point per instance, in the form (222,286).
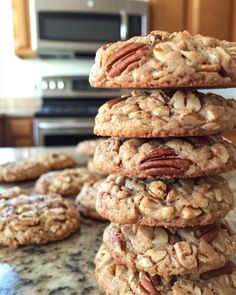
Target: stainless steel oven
(69,107)
(75,27)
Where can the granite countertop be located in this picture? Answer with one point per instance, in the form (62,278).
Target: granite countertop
(60,268)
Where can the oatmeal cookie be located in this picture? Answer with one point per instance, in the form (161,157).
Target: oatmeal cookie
(36,219)
(86,199)
(115,279)
(173,202)
(32,168)
(166,157)
(13,192)
(66,182)
(87,147)
(164,60)
(170,251)
(165,113)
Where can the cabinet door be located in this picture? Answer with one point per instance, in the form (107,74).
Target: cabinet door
(167,15)
(210,18)
(233,25)
(21,26)
(19,131)
(1,132)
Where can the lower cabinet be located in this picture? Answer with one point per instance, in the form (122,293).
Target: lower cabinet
(18,132)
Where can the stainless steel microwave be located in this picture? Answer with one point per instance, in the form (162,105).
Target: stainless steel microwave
(80,27)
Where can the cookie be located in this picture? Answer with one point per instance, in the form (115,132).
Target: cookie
(162,114)
(86,199)
(166,158)
(116,279)
(32,168)
(170,251)
(164,60)
(36,219)
(173,202)
(56,160)
(87,147)
(13,192)
(66,182)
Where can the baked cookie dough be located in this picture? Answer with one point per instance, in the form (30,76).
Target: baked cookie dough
(36,219)
(166,157)
(116,279)
(66,182)
(165,113)
(13,192)
(86,199)
(171,251)
(87,147)
(173,202)
(164,60)
(32,168)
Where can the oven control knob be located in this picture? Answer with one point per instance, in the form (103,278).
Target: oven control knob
(52,85)
(60,85)
(44,85)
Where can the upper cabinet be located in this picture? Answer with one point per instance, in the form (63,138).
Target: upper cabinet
(214,18)
(21,25)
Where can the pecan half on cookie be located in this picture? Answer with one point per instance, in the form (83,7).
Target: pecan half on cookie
(166,157)
(163,60)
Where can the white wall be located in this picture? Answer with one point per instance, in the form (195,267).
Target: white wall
(18,76)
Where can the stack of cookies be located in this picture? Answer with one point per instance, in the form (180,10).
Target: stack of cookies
(165,198)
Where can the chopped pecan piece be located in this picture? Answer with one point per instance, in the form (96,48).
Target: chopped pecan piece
(208,233)
(228,269)
(114,101)
(163,161)
(148,284)
(127,57)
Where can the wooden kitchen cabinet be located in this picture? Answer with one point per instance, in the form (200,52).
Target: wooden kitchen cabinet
(167,15)
(21,26)
(18,131)
(214,18)
(1,132)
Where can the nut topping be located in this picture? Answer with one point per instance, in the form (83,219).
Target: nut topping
(208,233)
(163,161)
(229,268)
(149,286)
(126,58)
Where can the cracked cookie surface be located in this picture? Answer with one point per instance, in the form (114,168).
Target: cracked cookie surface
(114,279)
(66,182)
(164,60)
(161,114)
(32,168)
(36,219)
(166,157)
(179,202)
(86,199)
(171,251)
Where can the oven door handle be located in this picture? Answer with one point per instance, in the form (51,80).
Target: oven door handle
(66,125)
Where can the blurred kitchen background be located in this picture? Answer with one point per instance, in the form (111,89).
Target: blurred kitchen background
(47,48)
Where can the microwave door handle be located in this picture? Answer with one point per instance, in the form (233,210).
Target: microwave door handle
(124,25)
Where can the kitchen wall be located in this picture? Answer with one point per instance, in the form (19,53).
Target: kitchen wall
(19,76)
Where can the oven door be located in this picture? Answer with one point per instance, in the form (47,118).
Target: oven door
(62,131)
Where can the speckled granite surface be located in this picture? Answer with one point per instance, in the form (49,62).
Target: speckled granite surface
(60,268)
